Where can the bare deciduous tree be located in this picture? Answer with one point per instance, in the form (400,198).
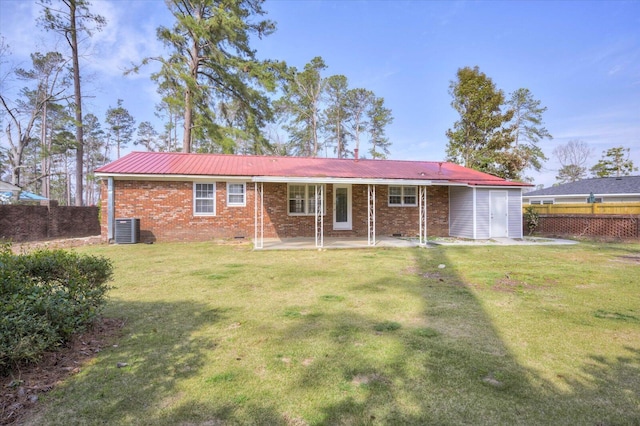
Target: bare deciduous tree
(573,159)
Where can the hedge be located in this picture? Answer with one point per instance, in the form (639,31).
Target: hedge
(46,297)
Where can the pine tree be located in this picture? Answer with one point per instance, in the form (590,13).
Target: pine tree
(72,19)
(211,62)
(121,126)
(481,137)
(614,162)
(379,118)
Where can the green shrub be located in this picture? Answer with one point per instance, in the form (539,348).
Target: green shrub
(45,297)
(532,218)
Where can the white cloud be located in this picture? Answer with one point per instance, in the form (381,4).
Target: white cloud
(19,28)
(126,40)
(619,57)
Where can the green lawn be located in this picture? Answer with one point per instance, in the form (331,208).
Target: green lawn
(502,335)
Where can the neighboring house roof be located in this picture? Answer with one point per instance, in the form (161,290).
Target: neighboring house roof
(598,186)
(24,196)
(8,189)
(30,196)
(268,168)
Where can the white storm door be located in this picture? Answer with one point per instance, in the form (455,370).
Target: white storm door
(342,207)
(499,214)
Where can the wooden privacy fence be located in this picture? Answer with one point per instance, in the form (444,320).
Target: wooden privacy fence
(584,208)
(29,223)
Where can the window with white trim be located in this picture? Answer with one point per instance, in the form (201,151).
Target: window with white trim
(236,194)
(547,201)
(403,196)
(204,199)
(302,199)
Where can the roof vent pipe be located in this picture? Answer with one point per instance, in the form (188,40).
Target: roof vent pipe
(440,168)
(355,153)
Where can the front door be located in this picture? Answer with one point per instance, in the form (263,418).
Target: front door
(342,207)
(499,214)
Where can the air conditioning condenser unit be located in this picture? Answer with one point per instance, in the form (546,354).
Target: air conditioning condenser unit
(127,231)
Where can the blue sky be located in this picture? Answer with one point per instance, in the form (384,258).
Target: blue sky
(580,59)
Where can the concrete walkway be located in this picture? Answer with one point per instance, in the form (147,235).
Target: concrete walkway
(526,241)
(383,241)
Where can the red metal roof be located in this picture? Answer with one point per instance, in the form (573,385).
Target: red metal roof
(174,163)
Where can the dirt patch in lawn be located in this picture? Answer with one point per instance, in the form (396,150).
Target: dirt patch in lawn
(634,259)
(510,285)
(21,389)
(52,244)
(366,379)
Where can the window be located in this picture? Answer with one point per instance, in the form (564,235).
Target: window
(236,194)
(302,200)
(204,199)
(403,196)
(548,201)
(409,195)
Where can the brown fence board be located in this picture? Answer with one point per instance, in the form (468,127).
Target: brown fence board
(30,223)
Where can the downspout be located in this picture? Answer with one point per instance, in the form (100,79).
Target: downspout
(111,208)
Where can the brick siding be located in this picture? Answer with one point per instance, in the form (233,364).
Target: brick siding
(165,210)
(623,227)
(30,223)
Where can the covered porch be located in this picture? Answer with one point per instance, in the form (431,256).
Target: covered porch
(338,217)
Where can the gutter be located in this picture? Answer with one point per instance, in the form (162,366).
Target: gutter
(298,179)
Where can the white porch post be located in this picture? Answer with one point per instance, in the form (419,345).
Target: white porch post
(319,198)
(371,215)
(423,215)
(258,216)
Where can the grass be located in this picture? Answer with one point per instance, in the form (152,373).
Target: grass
(502,335)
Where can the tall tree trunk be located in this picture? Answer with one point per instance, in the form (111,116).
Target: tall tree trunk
(67,181)
(188,98)
(78,101)
(188,117)
(46,159)
(15,176)
(15,159)
(315,134)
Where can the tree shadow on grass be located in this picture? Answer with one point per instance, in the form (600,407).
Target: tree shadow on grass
(138,375)
(452,367)
(447,364)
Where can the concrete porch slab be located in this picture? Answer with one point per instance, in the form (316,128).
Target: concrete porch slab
(335,243)
(384,241)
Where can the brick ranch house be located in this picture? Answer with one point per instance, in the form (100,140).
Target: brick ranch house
(199,197)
